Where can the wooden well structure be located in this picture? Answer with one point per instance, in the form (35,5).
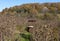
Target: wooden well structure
(31,21)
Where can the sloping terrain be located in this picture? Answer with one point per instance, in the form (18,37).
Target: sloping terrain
(14,22)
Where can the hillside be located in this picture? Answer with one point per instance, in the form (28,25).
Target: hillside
(45,19)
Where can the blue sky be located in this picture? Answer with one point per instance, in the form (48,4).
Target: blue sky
(11,3)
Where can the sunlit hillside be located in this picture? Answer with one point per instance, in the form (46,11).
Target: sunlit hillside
(31,22)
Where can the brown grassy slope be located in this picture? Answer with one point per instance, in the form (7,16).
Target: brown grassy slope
(15,19)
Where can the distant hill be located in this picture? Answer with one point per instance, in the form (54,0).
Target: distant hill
(34,8)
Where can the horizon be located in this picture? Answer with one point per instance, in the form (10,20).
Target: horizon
(10,3)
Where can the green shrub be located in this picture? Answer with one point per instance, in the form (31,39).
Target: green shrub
(25,36)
